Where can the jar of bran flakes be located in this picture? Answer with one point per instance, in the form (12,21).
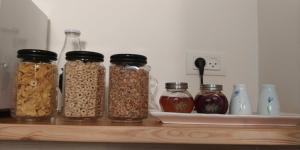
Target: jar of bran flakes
(128,88)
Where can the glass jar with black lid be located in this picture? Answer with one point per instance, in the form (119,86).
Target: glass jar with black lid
(84,87)
(128,88)
(36,78)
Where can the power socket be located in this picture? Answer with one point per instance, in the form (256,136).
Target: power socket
(214,63)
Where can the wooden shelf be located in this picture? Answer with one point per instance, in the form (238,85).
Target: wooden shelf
(151,131)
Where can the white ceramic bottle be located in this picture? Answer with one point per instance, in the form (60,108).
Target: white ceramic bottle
(240,102)
(268,103)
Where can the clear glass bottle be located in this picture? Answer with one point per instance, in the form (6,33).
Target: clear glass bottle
(177,98)
(128,88)
(36,78)
(83,88)
(211,100)
(72,43)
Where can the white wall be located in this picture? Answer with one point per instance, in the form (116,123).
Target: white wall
(164,30)
(279,55)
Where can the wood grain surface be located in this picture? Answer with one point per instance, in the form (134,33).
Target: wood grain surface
(150,131)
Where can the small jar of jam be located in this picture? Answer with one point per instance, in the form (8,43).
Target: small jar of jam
(177,98)
(211,100)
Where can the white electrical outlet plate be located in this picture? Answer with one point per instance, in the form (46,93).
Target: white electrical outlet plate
(214,63)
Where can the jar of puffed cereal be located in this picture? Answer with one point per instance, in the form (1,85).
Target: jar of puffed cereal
(83,88)
(36,78)
(128,88)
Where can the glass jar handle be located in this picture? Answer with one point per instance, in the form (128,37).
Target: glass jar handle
(3,65)
(153,89)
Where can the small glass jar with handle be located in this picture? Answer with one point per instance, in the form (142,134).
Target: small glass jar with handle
(211,100)
(176,98)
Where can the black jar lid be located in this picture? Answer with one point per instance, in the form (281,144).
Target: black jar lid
(37,55)
(129,59)
(211,87)
(177,85)
(84,55)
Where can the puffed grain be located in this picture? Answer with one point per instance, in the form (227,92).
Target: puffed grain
(84,89)
(128,93)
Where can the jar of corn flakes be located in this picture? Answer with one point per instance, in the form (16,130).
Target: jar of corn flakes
(36,78)
(83,87)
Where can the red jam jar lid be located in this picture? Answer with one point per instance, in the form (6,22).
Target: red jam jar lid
(211,87)
(177,85)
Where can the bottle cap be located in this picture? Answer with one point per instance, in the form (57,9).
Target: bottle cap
(88,55)
(176,85)
(72,31)
(129,59)
(37,54)
(211,87)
